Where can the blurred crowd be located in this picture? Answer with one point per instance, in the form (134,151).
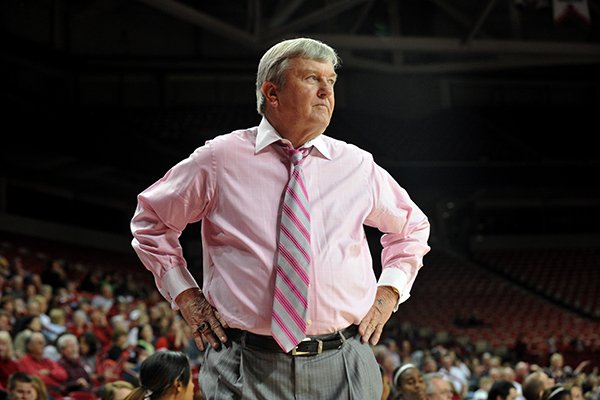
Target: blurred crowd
(78,333)
(82,335)
(449,372)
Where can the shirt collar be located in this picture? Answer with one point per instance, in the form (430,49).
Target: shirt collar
(267,135)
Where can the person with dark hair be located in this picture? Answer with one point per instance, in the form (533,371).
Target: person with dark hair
(502,390)
(165,375)
(408,383)
(88,353)
(288,274)
(557,392)
(22,386)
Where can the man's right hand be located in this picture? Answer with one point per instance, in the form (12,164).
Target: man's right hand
(205,321)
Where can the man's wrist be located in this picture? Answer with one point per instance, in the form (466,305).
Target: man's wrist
(397,292)
(187,294)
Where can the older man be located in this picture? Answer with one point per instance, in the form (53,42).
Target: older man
(33,362)
(288,275)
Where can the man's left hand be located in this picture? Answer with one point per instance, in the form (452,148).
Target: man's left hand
(371,326)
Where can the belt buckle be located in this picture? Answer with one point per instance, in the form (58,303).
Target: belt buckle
(295,351)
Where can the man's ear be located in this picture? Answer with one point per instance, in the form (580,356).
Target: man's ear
(269,90)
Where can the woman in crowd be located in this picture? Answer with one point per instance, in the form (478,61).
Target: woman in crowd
(8,362)
(165,375)
(408,383)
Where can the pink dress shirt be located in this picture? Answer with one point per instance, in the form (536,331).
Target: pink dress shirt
(234,184)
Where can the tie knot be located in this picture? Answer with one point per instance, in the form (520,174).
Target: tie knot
(297,155)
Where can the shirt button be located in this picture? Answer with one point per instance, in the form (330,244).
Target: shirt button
(308,322)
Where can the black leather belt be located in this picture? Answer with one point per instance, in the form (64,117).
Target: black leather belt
(310,346)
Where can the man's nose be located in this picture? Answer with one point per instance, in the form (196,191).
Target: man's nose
(326,89)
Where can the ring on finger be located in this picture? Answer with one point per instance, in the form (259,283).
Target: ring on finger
(203,327)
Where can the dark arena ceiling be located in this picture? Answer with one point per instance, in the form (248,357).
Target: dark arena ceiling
(101,97)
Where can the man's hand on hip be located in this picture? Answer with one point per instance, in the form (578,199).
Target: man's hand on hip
(205,321)
(372,324)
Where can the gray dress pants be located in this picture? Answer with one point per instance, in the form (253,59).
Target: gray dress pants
(241,372)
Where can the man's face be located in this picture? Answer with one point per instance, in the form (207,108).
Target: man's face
(306,99)
(441,390)
(70,350)
(36,345)
(23,391)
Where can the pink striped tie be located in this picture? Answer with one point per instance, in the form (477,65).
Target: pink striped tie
(288,324)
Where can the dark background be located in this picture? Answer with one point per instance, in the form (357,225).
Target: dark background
(485,111)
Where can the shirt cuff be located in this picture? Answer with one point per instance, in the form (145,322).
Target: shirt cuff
(175,281)
(397,279)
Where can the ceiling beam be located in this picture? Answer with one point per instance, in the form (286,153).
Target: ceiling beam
(456,45)
(203,21)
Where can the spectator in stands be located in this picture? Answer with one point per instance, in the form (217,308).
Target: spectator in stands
(88,353)
(386,359)
(21,387)
(429,364)
(557,369)
(408,383)
(68,296)
(8,362)
(535,383)
(386,382)
(165,375)
(52,374)
(25,322)
(78,379)
(437,387)
(41,390)
(116,390)
(40,310)
(576,390)
(453,369)
(146,338)
(483,388)
(119,345)
(114,361)
(5,320)
(100,327)
(31,324)
(507,373)
(79,323)
(16,286)
(521,371)
(502,390)
(105,299)
(56,324)
(175,338)
(557,392)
